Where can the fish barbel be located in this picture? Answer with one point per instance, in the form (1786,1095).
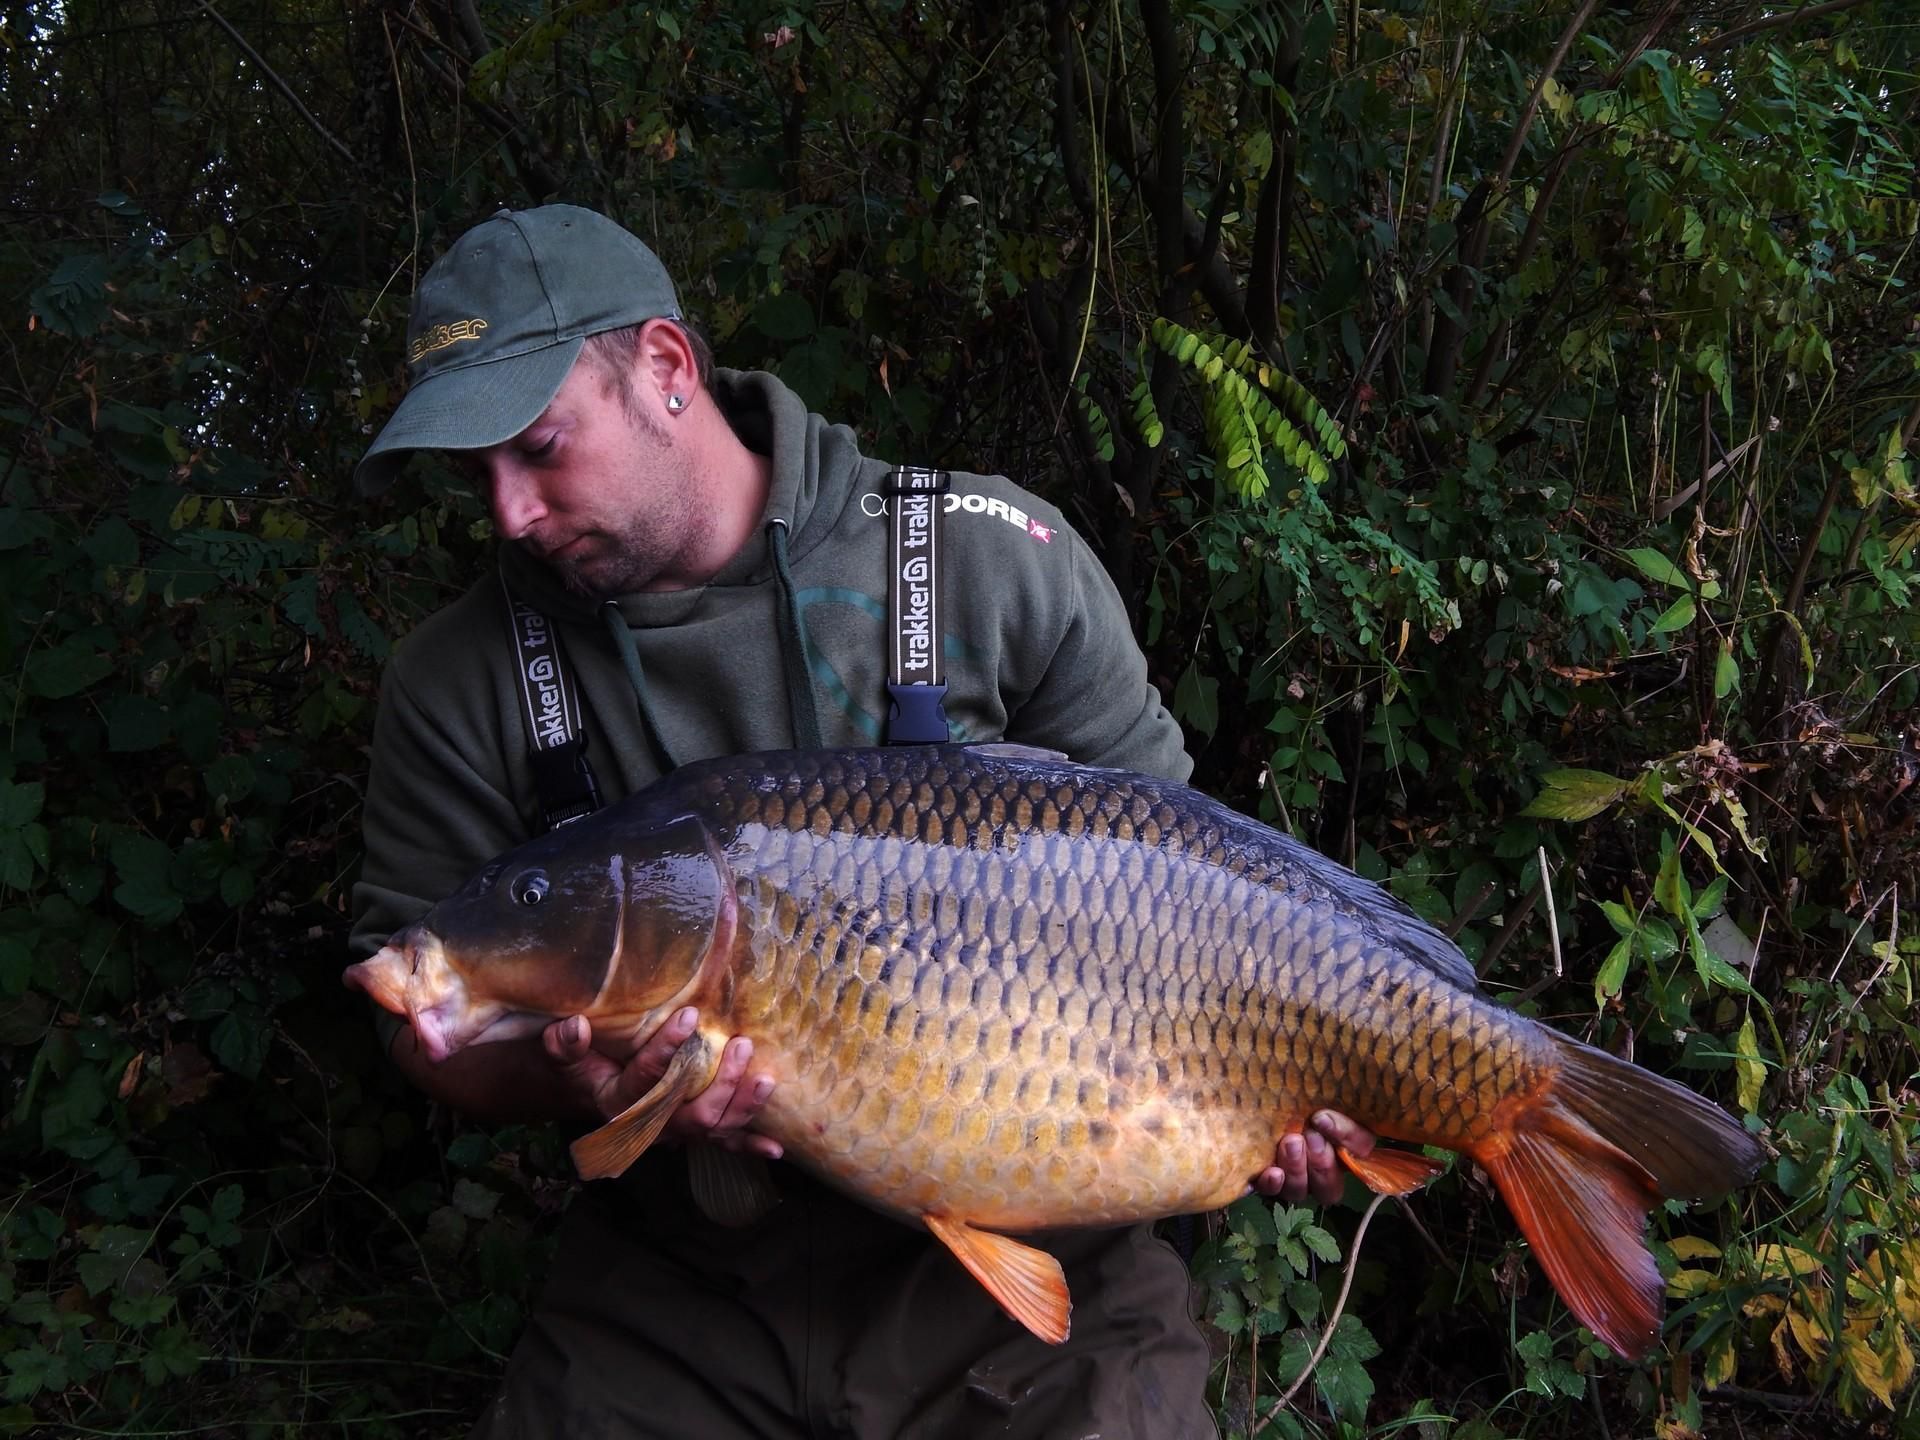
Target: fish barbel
(1003,992)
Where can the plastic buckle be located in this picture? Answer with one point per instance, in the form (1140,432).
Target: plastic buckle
(564,782)
(918,716)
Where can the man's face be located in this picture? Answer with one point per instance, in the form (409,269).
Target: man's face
(596,488)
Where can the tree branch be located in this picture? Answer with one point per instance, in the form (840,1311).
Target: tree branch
(1769,22)
(253,55)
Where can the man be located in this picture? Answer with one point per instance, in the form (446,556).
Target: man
(714,559)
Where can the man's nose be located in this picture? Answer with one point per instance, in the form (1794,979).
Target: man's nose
(514,498)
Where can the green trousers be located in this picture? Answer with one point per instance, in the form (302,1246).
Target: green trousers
(826,1319)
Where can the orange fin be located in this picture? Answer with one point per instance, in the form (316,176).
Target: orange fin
(609,1150)
(1028,1283)
(1582,1203)
(1391,1172)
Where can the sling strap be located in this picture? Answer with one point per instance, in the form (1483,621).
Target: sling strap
(915,675)
(556,739)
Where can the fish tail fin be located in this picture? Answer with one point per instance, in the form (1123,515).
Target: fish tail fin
(1580,1164)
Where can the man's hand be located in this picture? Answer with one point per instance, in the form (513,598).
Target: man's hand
(719,1114)
(1305,1166)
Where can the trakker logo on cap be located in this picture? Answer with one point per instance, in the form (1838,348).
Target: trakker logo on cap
(438,337)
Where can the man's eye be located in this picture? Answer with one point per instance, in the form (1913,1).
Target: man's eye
(539,451)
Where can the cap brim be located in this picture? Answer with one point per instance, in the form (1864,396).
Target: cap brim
(467,409)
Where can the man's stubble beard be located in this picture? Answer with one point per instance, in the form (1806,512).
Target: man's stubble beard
(649,543)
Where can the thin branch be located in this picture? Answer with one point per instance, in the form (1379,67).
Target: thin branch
(1333,1317)
(1769,22)
(240,43)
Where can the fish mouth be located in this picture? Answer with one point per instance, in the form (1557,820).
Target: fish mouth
(411,977)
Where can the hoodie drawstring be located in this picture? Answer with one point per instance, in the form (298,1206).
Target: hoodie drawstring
(794,651)
(793,629)
(616,624)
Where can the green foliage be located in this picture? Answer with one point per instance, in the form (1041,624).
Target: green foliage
(1511,460)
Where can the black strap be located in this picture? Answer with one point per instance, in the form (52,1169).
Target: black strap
(915,675)
(556,739)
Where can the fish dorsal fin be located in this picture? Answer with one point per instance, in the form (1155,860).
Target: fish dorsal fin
(1028,1283)
(731,1190)
(608,1151)
(1012,750)
(1390,1172)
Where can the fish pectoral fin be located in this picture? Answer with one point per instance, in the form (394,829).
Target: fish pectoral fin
(1391,1172)
(608,1151)
(1029,1283)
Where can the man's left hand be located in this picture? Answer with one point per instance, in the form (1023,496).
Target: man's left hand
(1305,1166)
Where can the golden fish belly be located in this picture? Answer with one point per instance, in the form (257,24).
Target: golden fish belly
(1035,1027)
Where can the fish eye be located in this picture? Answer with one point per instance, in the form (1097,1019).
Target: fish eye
(530,888)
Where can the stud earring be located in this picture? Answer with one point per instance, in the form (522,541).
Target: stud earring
(676,403)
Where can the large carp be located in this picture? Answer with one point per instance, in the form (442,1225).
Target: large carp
(1003,992)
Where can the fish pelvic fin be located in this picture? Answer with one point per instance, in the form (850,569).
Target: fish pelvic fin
(1391,1172)
(1582,1161)
(730,1189)
(1028,1282)
(608,1151)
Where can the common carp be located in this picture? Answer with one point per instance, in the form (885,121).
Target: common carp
(1001,992)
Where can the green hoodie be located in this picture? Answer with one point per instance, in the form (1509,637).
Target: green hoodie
(1037,650)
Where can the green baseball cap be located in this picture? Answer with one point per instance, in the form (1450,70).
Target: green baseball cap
(498,322)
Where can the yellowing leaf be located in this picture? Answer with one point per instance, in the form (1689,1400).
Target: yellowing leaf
(1881,1374)
(1748,1071)
(1778,1261)
(1686,1284)
(1764,1305)
(1557,98)
(1694,1247)
(1782,1356)
(1721,1364)
(1810,1332)
(1575,794)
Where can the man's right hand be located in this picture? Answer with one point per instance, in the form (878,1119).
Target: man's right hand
(719,1114)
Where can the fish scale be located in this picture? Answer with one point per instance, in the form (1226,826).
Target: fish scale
(1000,992)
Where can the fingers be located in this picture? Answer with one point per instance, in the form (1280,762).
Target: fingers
(590,1077)
(730,1103)
(1307,1166)
(650,1063)
(1345,1132)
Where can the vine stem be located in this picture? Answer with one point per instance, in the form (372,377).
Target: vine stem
(1333,1320)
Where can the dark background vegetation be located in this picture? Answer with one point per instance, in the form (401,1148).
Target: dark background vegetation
(1499,414)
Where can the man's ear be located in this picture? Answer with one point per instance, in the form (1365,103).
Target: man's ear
(664,363)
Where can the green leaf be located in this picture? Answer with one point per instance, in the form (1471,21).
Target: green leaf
(173,1353)
(241,1039)
(785,316)
(66,669)
(1320,1243)
(1613,971)
(1196,700)
(20,804)
(137,722)
(1658,567)
(1676,616)
(300,603)
(1726,672)
(145,887)
(1575,794)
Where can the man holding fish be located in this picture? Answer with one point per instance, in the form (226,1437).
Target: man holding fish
(712,558)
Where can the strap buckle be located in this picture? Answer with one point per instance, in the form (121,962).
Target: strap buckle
(917,716)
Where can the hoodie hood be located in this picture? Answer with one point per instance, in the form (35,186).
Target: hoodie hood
(817,467)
